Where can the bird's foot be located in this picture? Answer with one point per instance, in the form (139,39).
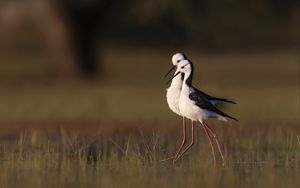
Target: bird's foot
(167,159)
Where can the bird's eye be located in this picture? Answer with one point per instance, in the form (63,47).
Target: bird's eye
(182,67)
(178,61)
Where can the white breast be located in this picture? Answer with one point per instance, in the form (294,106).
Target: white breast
(173,94)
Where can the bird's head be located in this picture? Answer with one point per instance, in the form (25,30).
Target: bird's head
(184,66)
(175,60)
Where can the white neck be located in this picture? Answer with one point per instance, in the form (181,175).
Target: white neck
(186,76)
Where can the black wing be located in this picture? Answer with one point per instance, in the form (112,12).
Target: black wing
(213,98)
(203,102)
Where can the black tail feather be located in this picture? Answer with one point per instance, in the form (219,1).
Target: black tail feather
(224,115)
(224,100)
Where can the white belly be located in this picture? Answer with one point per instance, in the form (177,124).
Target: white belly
(189,110)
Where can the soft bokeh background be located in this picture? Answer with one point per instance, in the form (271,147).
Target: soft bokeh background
(95,69)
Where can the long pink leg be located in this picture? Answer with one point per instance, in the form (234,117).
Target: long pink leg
(189,146)
(182,142)
(210,142)
(183,138)
(216,139)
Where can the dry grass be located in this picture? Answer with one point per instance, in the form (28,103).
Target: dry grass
(254,158)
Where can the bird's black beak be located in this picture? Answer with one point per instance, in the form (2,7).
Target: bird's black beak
(173,67)
(173,77)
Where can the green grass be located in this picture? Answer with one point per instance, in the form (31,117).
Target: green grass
(114,131)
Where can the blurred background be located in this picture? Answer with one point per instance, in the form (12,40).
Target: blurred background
(83,98)
(99,64)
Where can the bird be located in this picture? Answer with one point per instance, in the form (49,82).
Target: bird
(173,95)
(173,92)
(198,106)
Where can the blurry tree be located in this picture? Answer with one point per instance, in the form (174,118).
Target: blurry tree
(74,30)
(84,22)
(71,29)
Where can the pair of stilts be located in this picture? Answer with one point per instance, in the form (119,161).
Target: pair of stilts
(191,103)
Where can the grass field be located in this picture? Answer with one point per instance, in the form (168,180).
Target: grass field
(113,132)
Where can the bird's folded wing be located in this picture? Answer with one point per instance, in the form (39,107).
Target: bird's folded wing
(213,98)
(203,102)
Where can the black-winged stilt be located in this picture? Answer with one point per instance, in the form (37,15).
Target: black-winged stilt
(173,95)
(196,106)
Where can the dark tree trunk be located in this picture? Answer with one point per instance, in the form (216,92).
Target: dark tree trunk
(85,26)
(83,18)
